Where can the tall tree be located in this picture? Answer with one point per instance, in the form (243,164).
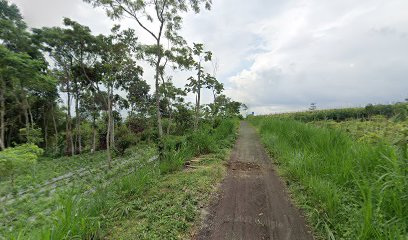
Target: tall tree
(160,19)
(195,85)
(116,68)
(23,69)
(56,43)
(73,50)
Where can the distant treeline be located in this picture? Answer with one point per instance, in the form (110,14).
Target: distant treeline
(398,111)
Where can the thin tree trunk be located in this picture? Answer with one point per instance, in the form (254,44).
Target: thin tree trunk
(27,120)
(168,103)
(2,114)
(56,136)
(108,132)
(54,122)
(198,98)
(70,141)
(170,120)
(94,133)
(157,92)
(77,124)
(30,113)
(214,107)
(112,135)
(45,132)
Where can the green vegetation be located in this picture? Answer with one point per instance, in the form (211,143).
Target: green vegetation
(39,192)
(398,110)
(350,177)
(84,142)
(170,208)
(18,159)
(88,199)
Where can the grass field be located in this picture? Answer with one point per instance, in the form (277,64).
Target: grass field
(37,195)
(80,198)
(351,177)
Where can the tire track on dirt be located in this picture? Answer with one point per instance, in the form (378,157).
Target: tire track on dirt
(253,203)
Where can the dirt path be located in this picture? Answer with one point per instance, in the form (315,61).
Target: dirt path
(253,203)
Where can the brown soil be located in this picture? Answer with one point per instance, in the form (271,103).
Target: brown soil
(253,203)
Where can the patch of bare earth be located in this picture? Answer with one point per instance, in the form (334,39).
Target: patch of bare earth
(252,202)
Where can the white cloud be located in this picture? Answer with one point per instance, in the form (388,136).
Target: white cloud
(352,54)
(281,55)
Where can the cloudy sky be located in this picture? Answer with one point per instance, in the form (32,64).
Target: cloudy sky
(281,55)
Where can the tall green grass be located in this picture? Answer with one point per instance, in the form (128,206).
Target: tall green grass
(89,216)
(349,189)
(207,139)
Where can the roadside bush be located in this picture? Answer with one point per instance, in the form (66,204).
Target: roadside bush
(202,141)
(175,153)
(88,217)
(178,149)
(225,132)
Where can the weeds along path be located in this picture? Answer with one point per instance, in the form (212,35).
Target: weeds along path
(253,203)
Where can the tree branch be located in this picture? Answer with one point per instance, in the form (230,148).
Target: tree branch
(132,13)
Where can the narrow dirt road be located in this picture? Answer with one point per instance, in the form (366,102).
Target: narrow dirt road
(253,203)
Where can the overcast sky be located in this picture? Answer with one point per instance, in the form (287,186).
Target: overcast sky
(281,55)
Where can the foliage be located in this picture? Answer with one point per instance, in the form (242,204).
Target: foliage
(34,135)
(206,140)
(166,17)
(377,129)
(52,183)
(86,192)
(171,207)
(349,189)
(398,110)
(125,139)
(67,89)
(19,159)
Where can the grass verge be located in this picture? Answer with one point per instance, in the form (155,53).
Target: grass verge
(348,189)
(170,208)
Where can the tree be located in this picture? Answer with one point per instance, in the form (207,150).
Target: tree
(19,74)
(227,107)
(73,50)
(116,69)
(173,98)
(23,76)
(138,96)
(92,103)
(195,85)
(160,19)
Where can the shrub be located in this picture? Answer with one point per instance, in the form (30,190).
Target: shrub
(18,159)
(175,153)
(34,135)
(124,139)
(202,141)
